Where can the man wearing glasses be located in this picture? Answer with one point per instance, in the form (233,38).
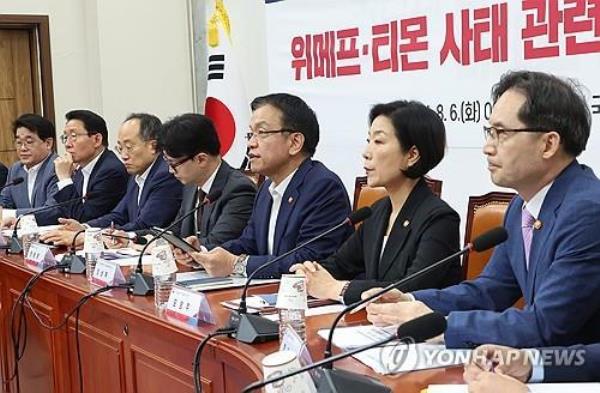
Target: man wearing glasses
(153,195)
(538,126)
(192,150)
(34,143)
(300,199)
(88,168)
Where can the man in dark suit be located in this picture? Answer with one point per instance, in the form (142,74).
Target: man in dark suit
(192,150)
(153,195)
(99,172)
(300,199)
(34,143)
(495,368)
(538,126)
(3,174)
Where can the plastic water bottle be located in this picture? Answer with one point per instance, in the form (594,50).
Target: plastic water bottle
(93,247)
(292,319)
(291,303)
(163,283)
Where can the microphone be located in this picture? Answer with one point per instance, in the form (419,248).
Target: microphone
(487,240)
(15,245)
(253,328)
(415,331)
(143,284)
(13,182)
(73,263)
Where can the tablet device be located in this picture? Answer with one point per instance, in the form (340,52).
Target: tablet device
(175,240)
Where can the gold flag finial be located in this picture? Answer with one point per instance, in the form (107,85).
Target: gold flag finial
(221,16)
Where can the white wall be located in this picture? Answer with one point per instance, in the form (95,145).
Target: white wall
(116,57)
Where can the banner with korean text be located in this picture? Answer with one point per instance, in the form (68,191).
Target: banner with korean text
(344,56)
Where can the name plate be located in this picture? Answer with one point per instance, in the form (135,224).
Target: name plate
(107,273)
(189,306)
(39,256)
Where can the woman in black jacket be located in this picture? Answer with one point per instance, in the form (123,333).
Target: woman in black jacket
(408,230)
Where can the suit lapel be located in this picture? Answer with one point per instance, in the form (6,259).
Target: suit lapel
(156,166)
(402,227)
(547,216)
(375,238)
(288,203)
(218,184)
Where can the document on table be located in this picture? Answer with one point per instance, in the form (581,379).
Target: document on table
(533,388)
(395,357)
(201,281)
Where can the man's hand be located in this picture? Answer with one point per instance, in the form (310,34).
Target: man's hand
(319,282)
(61,237)
(508,361)
(70,224)
(183,257)
(487,382)
(63,166)
(393,308)
(218,262)
(9,222)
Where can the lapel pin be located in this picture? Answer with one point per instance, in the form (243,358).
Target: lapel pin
(290,200)
(405,223)
(537,225)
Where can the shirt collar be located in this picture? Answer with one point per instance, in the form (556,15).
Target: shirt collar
(141,179)
(87,170)
(281,187)
(534,206)
(35,168)
(209,182)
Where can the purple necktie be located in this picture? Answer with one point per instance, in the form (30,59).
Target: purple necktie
(527,221)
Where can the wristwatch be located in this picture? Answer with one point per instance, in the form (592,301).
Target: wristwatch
(239,267)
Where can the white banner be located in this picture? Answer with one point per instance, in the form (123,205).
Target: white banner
(344,56)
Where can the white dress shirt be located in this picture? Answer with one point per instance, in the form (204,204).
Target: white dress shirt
(141,180)
(86,171)
(206,190)
(31,177)
(276,192)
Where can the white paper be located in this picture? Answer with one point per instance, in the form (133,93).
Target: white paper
(533,388)
(329,309)
(394,357)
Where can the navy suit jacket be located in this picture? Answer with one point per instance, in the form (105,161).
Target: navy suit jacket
(585,368)
(314,201)
(159,202)
(44,190)
(561,287)
(107,185)
(3,174)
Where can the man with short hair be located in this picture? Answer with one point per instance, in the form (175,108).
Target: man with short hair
(34,143)
(153,195)
(88,168)
(300,199)
(538,126)
(192,150)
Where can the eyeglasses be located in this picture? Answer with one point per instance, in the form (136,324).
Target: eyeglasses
(27,143)
(498,135)
(126,149)
(175,164)
(71,135)
(262,134)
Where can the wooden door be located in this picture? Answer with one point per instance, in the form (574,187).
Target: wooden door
(18,74)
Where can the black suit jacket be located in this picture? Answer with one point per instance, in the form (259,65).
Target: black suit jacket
(224,219)
(425,231)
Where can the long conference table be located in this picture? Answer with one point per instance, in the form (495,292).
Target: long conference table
(127,345)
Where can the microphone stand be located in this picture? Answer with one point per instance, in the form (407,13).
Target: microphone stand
(71,262)
(251,328)
(142,284)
